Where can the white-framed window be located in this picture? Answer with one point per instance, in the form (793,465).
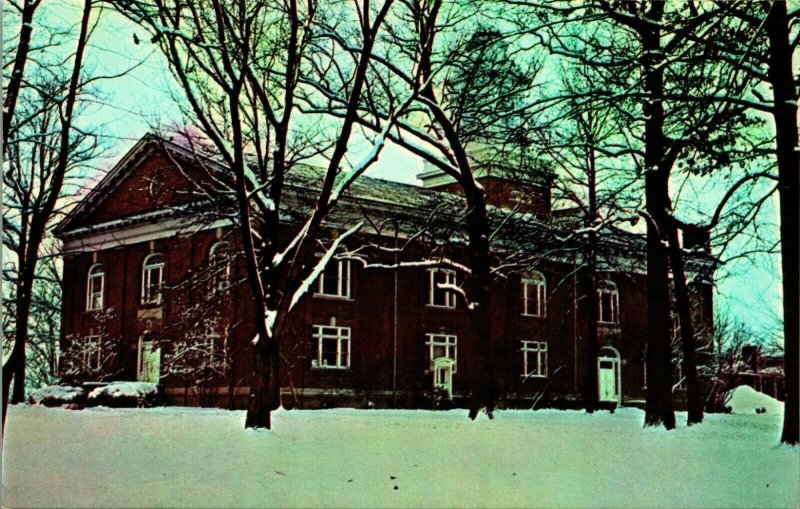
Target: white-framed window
(214,346)
(534,295)
(607,302)
(95,285)
(442,345)
(152,278)
(92,353)
(679,382)
(335,280)
(534,359)
(332,346)
(219,259)
(438,295)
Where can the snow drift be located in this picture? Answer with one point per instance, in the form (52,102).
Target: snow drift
(746,400)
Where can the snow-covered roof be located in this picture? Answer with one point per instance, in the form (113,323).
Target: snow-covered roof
(383,200)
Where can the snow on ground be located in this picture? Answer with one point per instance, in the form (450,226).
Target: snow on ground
(746,400)
(168,457)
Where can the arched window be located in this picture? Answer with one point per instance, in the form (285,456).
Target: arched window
(219,259)
(95,283)
(607,302)
(152,278)
(534,294)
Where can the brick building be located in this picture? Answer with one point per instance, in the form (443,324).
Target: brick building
(152,293)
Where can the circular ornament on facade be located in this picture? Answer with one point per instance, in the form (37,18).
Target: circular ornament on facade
(156,186)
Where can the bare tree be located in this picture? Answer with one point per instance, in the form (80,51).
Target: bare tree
(596,179)
(37,181)
(241,66)
(20,59)
(469,116)
(765,53)
(649,52)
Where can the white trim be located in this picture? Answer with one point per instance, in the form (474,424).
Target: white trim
(93,298)
(449,295)
(539,350)
(537,280)
(148,268)
(342,337)
(223,278)
(450,344)
(343,281)
(137,234)
(616,363)
(89,354)
(610,288)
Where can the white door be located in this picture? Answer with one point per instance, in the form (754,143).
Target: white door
(607,378)
(149,363)
(443,375)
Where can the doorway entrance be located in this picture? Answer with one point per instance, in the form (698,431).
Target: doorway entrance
(609,381)
(148,362)
(443,375)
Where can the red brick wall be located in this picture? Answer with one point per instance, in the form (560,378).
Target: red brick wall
(369,313)
(525,197)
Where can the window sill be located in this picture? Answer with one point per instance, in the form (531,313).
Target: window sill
(92,311)
(332,297)
(330,368)
(533,376)
(525,315)
(438,306)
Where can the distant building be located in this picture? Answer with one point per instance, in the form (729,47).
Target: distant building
(152,293)
(763,373)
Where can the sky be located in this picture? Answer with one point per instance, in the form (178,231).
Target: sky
(145,97)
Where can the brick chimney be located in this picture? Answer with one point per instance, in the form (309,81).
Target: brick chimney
(505,189)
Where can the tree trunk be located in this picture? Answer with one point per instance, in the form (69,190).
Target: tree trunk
(259,406)
(484,386)
(592,340)
(658,406)
(786,135)
(15,364)
(694,391)
(38,225)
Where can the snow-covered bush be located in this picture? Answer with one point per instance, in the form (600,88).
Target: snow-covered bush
(125,394)
(58,395)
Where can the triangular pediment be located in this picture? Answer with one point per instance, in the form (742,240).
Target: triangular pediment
(151,177)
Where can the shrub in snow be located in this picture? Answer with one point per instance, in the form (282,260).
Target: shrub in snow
(58,395)
(125,394)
